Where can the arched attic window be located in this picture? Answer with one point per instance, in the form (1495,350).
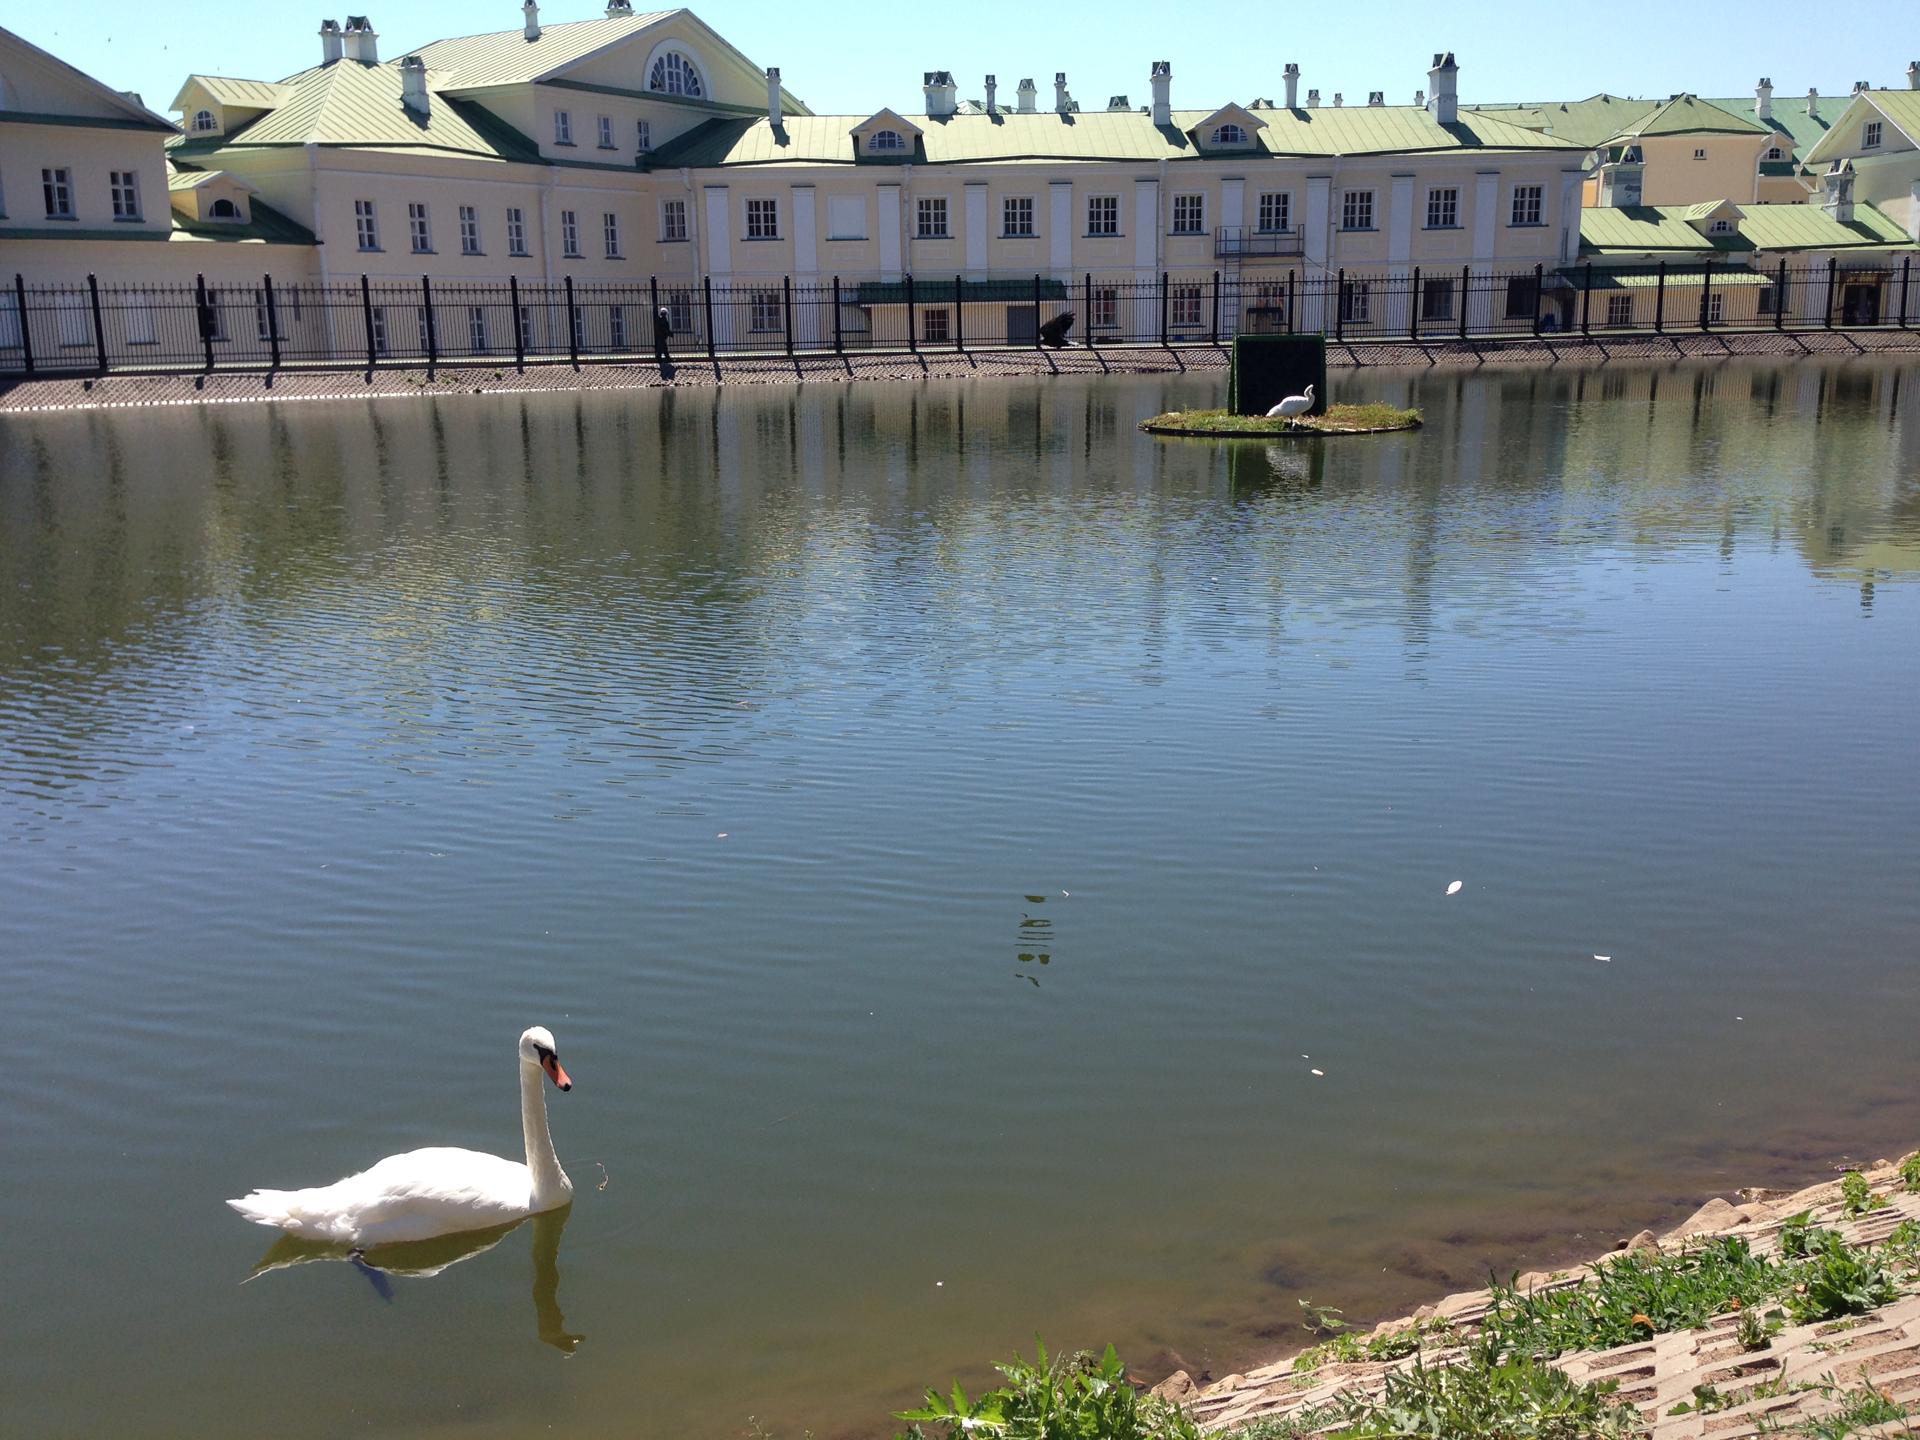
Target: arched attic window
(1774,152)
(886,140)
(223,209)
(673,74)
(203,120)
(1229,134)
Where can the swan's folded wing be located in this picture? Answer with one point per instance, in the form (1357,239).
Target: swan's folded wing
(425,1193)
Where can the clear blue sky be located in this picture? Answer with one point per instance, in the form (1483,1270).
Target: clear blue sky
(853,60)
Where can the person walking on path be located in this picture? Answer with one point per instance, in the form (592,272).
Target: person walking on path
(662,337)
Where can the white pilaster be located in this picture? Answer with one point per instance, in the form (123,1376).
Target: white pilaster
(976,261)
(1145,319)
(1399,250)
(1233,204)
(807,319)
(719,228)
(1570,195)
(887,221)
(1060,228)
(1319,214)
(1486,218)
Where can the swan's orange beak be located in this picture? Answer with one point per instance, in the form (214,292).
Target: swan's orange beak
(551,1064)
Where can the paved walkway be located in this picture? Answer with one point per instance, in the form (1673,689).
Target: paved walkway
(239,386)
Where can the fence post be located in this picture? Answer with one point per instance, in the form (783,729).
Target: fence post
(913,340)
(573,326)
(786,309)
(1660,300)
(706,288)
(838,348)
(273,323)
(959,309)
(1163,307)
(1586,302)
(1466,297)
(203,312)
(1780,300)
(433,335)
(366,313)
(1036,312)
(1413,306)
(1706,291)
(99,325)
(1906,280)
(1833,271)
(1340,305)
(1086,301)
(1293,315)
(1216,308)
(1539,294)
(519,330)
(26,330)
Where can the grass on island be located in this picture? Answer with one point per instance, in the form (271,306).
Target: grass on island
(1338,420)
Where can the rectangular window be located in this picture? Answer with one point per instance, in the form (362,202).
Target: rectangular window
(765,315)
(610,230)
(643,135)
(10,321)
(763,220)
(1189,214)
(933,217)
(847,217)
(477,329)
(418,228)
(569,235)
(1276,213)
(139,323)
(1436,300)
(423,326)
(1356,210)
(1763,302)
(365,225)
(126,194)
(1523,298)
(1716,308)
(1016,217)
(562,128)
(1106,308)
(1356,300)
(1619,311)
(934,324)
(606,132)
(73,320)
(1870,135)
(262,320)
(516,231)
(1443,209)
(680,311)
(380,330)
(57,187)
(469,231)
(527,334)
(1184,309)
(1527,201)
(617,326)
(673,220)
(1103,215)
(216,317)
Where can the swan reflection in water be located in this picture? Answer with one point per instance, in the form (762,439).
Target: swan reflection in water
(422,1259)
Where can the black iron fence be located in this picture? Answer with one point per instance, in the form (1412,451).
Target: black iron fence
(99,327)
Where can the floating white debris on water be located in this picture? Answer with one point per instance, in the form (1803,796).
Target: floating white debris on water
(1454,888)
(1319,1072)
(1604,959)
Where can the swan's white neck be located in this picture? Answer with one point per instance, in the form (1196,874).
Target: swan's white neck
(550,1184)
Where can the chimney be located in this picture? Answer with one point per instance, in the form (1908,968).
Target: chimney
(1292,76)
(1913,74)
(619,9)
(329,41)
(1419,99)
(1860,87)
(993,85)
(1160,75)
(1838,183)
(1313,99)
(413,85)
(1119,102)
(1443,90)
(773,96)
(531,13)
(1763,99)
(1026,94)
(1338,99)
(360,41)
(1062,101)
(1813,102)
(1376,97)
(942,95)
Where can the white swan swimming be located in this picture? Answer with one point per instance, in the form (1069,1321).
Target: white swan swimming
(437,1191)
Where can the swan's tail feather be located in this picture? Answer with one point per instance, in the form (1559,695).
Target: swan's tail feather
(267,1207)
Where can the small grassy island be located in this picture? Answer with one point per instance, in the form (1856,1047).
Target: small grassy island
(1371,419)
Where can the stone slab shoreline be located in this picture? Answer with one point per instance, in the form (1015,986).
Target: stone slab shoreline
(225,387)
(1769,1390)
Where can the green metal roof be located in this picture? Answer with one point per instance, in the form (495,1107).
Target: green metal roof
(1808,227)
(1690,115)
(267,226)
(939,292)
(507,57)
(1588,123)
(1641,229)
(241,94)
(1097,135)
(1790,119)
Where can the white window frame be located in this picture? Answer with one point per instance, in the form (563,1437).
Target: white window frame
(763,218)
(1103,216)
(124,185)
(765,315)
(1443,207)
(205,120)
(419,227)
(380,342)
(1106,308)
(610,233)
(1183,304)
(516,231)
(931,219)
(1229,134)
(1871,134)
(570,235)
(673,220)
(1356,209)
(1436,298)
(477,329)
(1274,205)
(1190,214)
(642,136)
(1699,152)
(1774,152)
(563,127)
(1016,217)
(1619,310)
(469,230)
(674,73)
(366,224)
(1356,303)
(56,189)
(606,133)
(886,141)
(1529,207)
(617,326)
(936,325)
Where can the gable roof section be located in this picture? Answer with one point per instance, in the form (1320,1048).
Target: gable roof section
(1588,122)
(1690,115)
(1654,229)
(130,113)
(1789,119)
(1230,114)
(1099,135)
(886,120)
(240,94)
(1901,109)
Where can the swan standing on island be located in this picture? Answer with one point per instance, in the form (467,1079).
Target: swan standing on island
(438,1191)
(1291,406)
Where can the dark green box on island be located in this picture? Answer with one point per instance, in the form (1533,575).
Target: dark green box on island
(1268,368)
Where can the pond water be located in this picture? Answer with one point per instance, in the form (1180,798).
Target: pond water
(948,832)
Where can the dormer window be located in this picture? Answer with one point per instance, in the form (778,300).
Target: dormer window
(1774,152)
(886,140)
(223,209)
(1720,227)
(673,74)
(203,120)
(1870,135)
(1229,135)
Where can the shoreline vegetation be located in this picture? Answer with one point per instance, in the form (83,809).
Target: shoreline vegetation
(1785,1315)
(1371,418)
